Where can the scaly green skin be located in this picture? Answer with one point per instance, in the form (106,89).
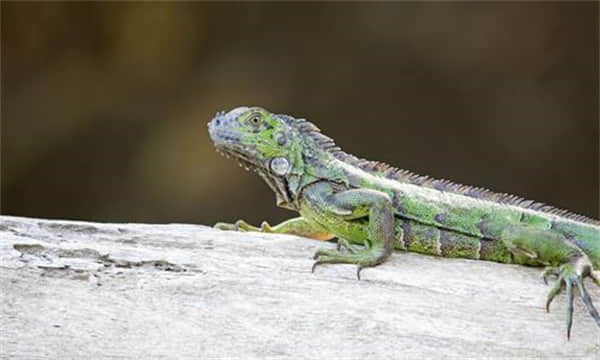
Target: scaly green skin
(382,208)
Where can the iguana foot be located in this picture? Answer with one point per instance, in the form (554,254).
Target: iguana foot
(241,225)
(362,258)
(295,226)
(569,277)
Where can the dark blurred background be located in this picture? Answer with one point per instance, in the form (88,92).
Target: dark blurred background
(105,105)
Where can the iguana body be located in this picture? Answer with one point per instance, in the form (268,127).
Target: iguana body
(382,208)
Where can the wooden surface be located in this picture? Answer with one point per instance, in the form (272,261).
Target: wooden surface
(88,290)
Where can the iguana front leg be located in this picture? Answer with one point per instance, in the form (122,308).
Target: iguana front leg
(295,226)
(338,211)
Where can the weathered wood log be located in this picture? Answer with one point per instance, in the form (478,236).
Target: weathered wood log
(89,290)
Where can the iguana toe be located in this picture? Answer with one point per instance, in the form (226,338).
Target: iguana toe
(362,258)
(239,225)
(549,271)
(345,244)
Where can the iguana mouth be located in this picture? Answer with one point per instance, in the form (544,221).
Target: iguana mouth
(243,159)
(251,165)
(228,143)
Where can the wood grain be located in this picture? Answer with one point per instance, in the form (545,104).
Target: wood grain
(89,290)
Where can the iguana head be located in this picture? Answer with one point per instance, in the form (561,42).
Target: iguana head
(258,139)
(287,153)
(267,143)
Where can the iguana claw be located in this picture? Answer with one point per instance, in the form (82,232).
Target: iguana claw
(358,269)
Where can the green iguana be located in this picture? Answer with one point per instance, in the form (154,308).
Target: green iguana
(384,208)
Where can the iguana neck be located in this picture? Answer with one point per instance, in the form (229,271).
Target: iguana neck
(315,164)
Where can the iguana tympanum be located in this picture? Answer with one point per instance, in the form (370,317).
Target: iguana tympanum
(384,208)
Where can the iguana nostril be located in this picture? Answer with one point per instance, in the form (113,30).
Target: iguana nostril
(218,122)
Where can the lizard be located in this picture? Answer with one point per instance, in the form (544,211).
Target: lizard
(383,208)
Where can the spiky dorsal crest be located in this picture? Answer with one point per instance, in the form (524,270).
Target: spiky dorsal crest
(326,143)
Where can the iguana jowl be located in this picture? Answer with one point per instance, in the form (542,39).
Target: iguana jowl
(384,208)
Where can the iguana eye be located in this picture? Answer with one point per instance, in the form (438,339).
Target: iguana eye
(254,119)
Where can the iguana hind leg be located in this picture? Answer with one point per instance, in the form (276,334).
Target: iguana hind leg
(295,226)
(532,245)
